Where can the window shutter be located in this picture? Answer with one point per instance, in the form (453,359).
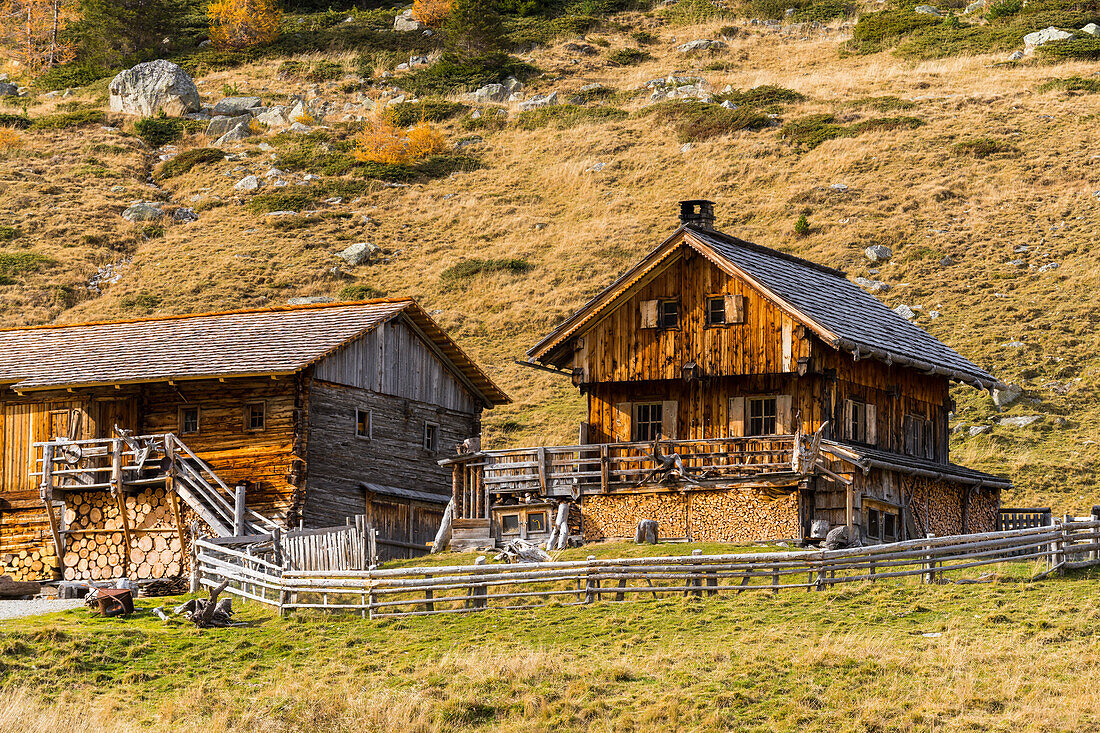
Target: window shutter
(735,309)
(648,309)
(872,431)
(846,431)
(737,417)
(783,414)
(787,346)
(622,422)
(668,419)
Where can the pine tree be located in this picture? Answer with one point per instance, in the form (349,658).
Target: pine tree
(474,29)
(116,31)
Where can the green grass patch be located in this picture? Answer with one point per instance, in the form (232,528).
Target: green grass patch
(565,116)
(1071,84)
(19,122)
(1085,48)
(628,57)
(805,11)
(68,120)
(477,266)
(9,234)
(284,200)
(765,96)
(188,159)
(693,120)
(360,291)
(984,147)
(959,39)
(437,166)
(14,264)
(692,12)
(407,114)
(882,104)
(158,131)
(452,75)
(874,32)
(806,133)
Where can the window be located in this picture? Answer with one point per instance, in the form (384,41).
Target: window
(716,310)
(918,436)
(857,421)
(536,522)
(363,426)
(647,421)
(889,527)
(509,523)
(762,414)
(668,313)
(431,436)
(189,420)
(873,523)
(881,522)
(254,416)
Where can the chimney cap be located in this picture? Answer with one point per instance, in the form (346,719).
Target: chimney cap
(697,212)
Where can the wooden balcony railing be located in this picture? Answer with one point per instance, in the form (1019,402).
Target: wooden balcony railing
(607,467)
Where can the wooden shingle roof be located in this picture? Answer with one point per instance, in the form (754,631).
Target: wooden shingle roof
(823,299)
(269,341)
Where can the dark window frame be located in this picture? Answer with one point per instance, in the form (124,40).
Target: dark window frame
(917,436)
(537,530)
(757,424)
(504,529)
(183,421)
(247,419)
(369,425)
(431,436)
(711,320)
(856,421)
(652,420)
(668,314)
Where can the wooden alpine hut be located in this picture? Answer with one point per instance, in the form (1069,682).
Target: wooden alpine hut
(115,436)
(738,393)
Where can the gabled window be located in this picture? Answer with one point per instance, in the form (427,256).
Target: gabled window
(363,426)
(431,436)
(254,417)
(762,416)
(648,417)
(189,420)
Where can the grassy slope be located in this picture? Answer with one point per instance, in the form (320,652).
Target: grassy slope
(1009,656)
(907,188)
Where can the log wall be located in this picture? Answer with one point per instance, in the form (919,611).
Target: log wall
(740,515)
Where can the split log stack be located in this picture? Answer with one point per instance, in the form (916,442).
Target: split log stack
(737,515)
(38,562)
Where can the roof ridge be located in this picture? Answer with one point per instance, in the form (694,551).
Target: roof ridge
(730,239)
(210,314)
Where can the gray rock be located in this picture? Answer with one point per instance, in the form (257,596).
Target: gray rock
(947,261)
(1018,263)
(248,184)
(1019,421)
(7,89)
(513,85)
(875,286)
(233,106)
(538,101)
(1092,29)
(274,117)
(927,10)
(184,214)
(238,133)
(905,312)
(582,48)
(1002,398)
(143,211)
(978,430)
(490,93)
(878,253)
(1045,36)
(1049,266)
(700,44)
(154,87)
(310,300)
(359,253)
(221,125)
(1020,249)
(1015,56)
(299,128)
(838,538)
(283,212)
(405,22)
(974,7)
(842,187)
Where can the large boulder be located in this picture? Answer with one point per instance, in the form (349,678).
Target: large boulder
(359,253)
(221,125)
(1004,397)
(878,253)
(538,101)
(234,106)
(274,117)
(154,87)
(143,211)
(7,89)
(490,93)
(700,44)
(406,22)
(1040,38)
(838,538)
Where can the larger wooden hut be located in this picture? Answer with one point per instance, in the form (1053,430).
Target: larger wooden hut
(737,393)
(113,436)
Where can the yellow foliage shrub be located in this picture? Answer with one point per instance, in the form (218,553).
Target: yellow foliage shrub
(381,141)
(238,24)
(305,118)
(431,12)
(10,139)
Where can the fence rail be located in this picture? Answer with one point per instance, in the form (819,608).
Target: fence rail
(470,588)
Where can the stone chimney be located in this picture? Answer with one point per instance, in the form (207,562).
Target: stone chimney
(698,212)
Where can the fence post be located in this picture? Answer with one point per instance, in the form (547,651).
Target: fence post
(590,584)
(238,508)
(478,592)
(371,596)
(428,596)
(1093,554)
(929,565)
(695,581)
(195,573)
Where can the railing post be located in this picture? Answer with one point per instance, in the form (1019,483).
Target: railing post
(929,565)
(478,592)
(238,508)
(605,468)
(590,585)
(1094,554)
(195,572)
(372,597)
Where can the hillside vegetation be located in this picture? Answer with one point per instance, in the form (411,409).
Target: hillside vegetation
(885,128)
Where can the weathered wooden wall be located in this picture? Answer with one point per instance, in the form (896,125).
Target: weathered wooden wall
(740,515)
(339,460)
(400,522)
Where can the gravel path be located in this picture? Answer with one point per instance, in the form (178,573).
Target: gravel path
(20,609)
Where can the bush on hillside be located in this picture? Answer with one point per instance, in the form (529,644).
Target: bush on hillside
(874,31)
(564,116)
(691,12)
(8,234)
(806,133)
(1069,84)
(69,119)
(694,120)
(157,131)
(1003,9)
(628,57)
(407,114)
(767,95)
(882,104)
(984,147)
(452,74)
(18,122)
(360,291)
(1087,49)
(188,159)
(13,264)
(469,268)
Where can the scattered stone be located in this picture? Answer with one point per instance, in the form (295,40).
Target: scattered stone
(582,48)
(905,312)
(1019,421)
(513,85)
(1092,29)
(947,261)
(875,286)
(700,44)
(274,173)
(7,89)
(311,300)
(154,87)
(933,315)
(221,125)
(117,189)
(184,215)
(596,168)
(538,101)
(282,212)
(334,201)
(839,186)
(927,10)
(359,253)
(299,128)
(1020,249)
(1043,37)
(978,430)
(539,226)
(1002,398)
(974,7)
(248,184)
(1014,344)
(685,147)
(143,211)
(1049,266)
(1018,263)
(728,105)
(878,253)
(234,106)
(274,117)
(490,93)
(1015,56)
(238,133)
(405,22)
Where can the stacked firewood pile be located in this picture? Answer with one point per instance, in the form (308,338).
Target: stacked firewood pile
(617,515)
(937,505)
(745,515)
(96,539)
(31,563)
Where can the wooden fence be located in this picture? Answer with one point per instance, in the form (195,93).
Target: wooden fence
(350,547)
(1024,518)
(470,588)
